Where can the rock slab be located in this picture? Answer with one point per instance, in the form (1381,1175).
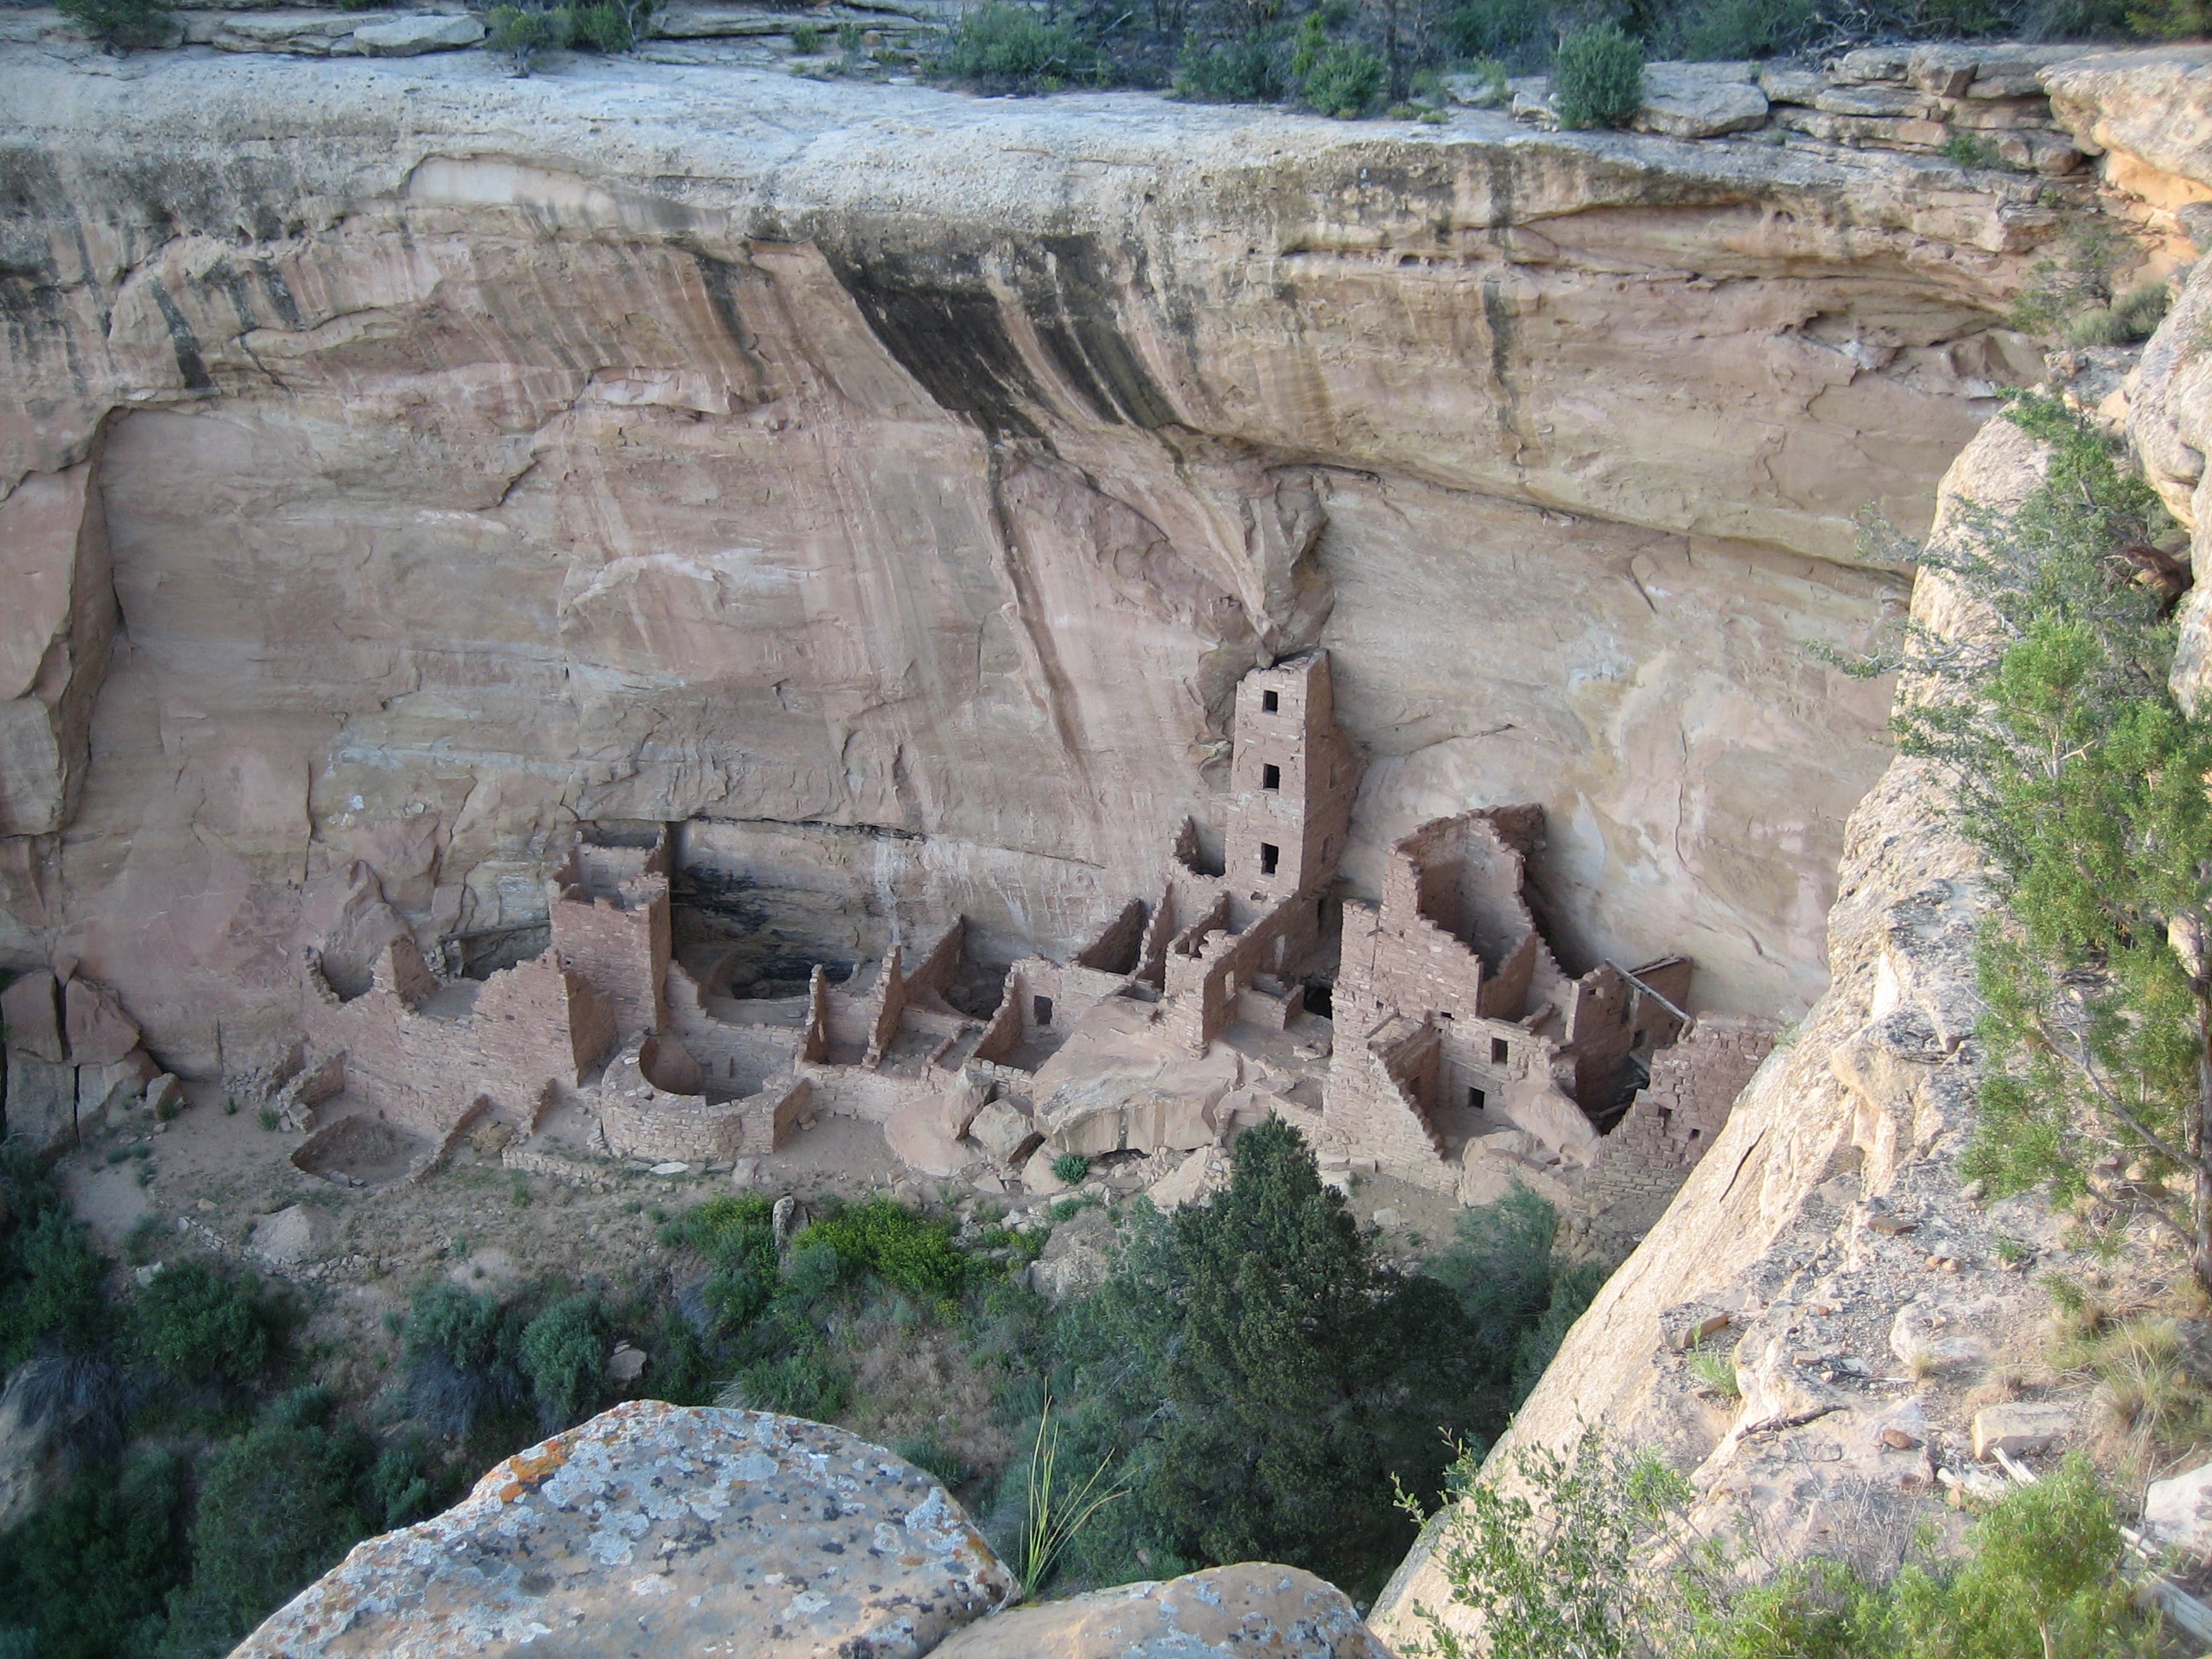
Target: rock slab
(410,37)
(1256,1607)
(689,1529)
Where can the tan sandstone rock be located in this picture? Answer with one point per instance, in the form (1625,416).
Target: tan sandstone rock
(2150,109)
(690,1530)
(100,1032)
(31,1017)
(1254,1608)
(774,498)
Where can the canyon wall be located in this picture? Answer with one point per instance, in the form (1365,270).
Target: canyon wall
(408,463)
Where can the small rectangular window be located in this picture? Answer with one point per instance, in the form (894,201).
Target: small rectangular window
(1269,855)
(1040,1011)
(1269,703)
(1474,1098)
(1270,776)
(1500,1051)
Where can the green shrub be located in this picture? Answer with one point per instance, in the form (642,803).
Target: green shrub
(805,40)
(121,25)
(1258,1376)
(1344,79)
(805,1383)
(931,1455)
(519,33)
(1573,1288)
(1512,32)
(1007,47)
(1070,1168)
(49,1279)
(909,1252)
(1597,78)
(602,26)
(1969,149)
(278,1507)
(87,1573)
(1246,71)
(193,1325)
(564,1355)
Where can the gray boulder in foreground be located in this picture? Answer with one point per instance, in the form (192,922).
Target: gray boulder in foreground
(663,1530)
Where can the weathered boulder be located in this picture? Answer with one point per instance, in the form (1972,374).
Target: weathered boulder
(41,1105)
(410,37)
(1701,100)
(1203,1172)
(1255,1608)
(692,1530)
(2019,1428)
(100,1032)
(1005,1133)
(1076,1258)
(291,1236)
(2178,1512)
(1037,1174)
(300,33)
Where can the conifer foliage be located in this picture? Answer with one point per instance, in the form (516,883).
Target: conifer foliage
(2082,778)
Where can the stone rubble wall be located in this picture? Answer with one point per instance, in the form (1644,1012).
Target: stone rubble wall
(1674,1121)
(532,1024)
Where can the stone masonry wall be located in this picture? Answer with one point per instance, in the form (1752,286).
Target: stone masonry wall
(1638,1168)
(1375,1098)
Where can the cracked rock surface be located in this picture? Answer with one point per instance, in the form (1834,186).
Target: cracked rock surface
(663,1530)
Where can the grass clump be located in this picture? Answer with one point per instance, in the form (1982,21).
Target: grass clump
(1001,48)
(1071,1169)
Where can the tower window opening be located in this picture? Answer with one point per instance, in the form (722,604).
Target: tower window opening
(1269,703)
(1270,776)
(1474,1098)
(1500,1051)
(1270,854)
(1040,1011)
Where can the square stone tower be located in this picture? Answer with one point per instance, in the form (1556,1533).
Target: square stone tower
(1292,779)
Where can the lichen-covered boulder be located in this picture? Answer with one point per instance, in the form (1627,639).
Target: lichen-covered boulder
(1255,1608)
(663,1530)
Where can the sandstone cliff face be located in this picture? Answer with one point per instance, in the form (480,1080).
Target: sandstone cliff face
(890,485)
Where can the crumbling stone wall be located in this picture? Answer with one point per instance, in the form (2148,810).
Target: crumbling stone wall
(638,1120)
(1451,921)
(610,916)
(1637,1169)
(534,1023)
(1203,983)
(1378,1095)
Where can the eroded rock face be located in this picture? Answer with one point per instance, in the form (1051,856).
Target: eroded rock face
(689,1531)
(888,486)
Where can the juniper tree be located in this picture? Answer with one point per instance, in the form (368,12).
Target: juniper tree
(2082,778)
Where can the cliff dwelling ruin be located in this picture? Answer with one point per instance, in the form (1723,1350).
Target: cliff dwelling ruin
(1433,1036)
